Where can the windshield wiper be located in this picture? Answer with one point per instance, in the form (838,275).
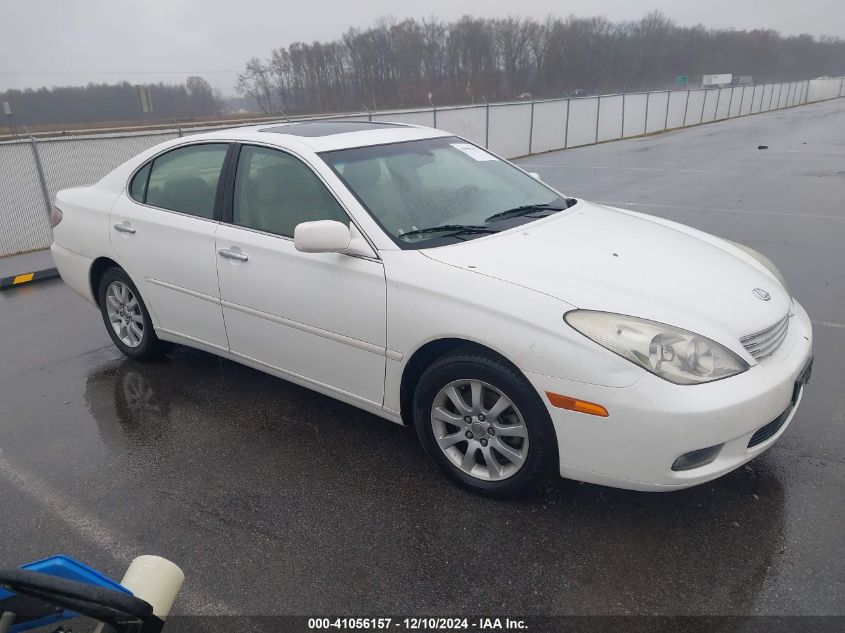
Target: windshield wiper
(452,229)
(525,209)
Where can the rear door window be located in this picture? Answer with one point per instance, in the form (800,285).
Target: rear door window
(184,180)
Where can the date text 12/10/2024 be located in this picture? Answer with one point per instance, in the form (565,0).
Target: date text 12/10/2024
(418,624)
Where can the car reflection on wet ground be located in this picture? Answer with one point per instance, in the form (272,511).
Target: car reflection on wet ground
(276,500)
(243,467)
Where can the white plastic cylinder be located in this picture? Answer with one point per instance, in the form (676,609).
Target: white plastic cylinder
(156,580)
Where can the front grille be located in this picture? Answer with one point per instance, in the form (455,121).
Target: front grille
(765,342)
(770,429)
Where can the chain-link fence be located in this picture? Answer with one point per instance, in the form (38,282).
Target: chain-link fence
(32,171)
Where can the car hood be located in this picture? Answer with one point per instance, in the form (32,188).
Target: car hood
(600,258)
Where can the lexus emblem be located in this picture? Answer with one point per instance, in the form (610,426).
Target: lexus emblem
(761,294)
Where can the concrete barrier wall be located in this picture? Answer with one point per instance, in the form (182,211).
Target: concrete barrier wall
(509,129)
(821,89)
(609,118)
(549,131)
(635,114)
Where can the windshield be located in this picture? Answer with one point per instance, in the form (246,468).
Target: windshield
(440,191)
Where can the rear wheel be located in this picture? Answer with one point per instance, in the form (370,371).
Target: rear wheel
(126,317)
(483,423)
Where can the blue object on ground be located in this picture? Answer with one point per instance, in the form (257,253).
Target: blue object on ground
(69,569)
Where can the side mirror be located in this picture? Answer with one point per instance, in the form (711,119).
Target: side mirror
(330,236)
(534,175)
(321,236)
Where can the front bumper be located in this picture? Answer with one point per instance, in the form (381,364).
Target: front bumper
(653,422)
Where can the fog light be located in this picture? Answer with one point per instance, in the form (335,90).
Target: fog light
(698,458)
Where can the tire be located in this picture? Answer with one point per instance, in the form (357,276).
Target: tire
(139,341)
(434,403)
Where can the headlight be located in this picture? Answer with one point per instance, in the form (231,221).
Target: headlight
(767,263)
(673,354)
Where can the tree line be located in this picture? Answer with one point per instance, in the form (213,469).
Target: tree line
(96,103)
(398,63)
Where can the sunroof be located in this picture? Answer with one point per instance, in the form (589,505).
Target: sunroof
(325,128)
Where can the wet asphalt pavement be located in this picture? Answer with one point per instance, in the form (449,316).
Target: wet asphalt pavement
(275,500)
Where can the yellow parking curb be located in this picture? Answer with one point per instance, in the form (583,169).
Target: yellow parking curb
(26,278)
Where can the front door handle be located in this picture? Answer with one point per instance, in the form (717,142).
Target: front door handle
(239,256)
(124,228)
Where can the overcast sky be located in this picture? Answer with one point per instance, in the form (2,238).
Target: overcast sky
(72,42)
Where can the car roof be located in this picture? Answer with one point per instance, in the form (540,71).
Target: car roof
(326,128)
(321,136)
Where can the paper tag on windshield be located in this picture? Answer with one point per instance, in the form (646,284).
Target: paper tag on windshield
(473,152)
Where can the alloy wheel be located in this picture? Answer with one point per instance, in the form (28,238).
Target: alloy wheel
(479,429)
(124,312)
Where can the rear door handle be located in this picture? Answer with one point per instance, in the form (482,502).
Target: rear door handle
(124,228)
(239,256)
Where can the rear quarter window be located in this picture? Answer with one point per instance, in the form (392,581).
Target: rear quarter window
(138,186)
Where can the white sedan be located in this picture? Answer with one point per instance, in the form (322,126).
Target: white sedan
(417,276)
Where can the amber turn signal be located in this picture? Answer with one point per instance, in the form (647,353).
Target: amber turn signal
(581,406)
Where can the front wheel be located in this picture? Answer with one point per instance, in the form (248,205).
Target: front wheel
(483,423)
(126,317)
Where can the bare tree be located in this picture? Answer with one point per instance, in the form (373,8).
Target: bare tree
(512,41)
(112,102)
(397,63)
(201,97)
(256,82)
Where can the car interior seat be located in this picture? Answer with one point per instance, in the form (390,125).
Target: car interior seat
(288,194)
(189,194)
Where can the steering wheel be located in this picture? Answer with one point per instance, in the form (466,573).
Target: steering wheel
(120,610)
